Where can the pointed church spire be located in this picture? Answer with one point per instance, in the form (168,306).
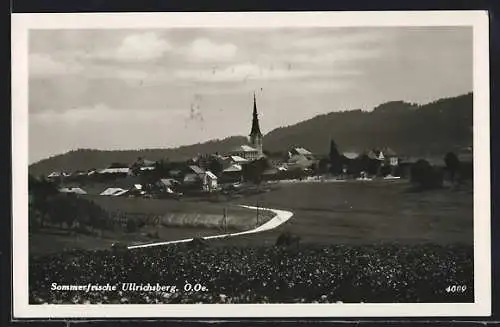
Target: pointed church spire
(255,122)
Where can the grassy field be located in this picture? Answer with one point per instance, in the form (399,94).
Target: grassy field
(369,242)
(175,220)
(324,213)
(369,212)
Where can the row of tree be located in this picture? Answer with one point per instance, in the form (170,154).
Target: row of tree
(49,207)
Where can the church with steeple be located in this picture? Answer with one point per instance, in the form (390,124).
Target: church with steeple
(253,150)
(256,136)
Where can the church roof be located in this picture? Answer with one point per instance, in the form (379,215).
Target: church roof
(255,122)
(244,148)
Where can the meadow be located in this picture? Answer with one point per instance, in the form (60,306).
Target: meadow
(356,212)
(351,212)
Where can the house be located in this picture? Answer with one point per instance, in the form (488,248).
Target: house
(210,182)
(57,174)
(114,191)
(351,155)
(232,174)
(246,152)
(237,160)
(196,177)
(74,190)
(168,185)
(301,152)
(390,157)
(300,161)
(117,171)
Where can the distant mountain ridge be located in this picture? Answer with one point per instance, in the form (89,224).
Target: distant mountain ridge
(409,129)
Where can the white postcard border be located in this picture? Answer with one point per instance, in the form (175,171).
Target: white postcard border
(22,23)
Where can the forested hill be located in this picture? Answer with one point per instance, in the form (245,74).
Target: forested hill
(409,129)
(85,159)
(426,130)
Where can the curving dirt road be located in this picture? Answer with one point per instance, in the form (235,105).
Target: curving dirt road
(281,217)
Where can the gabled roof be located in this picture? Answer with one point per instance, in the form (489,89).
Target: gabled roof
(169,182)
(191,178)
(299,158)
(244,148)
(237,159)
(75,190)
(233,168)
(351,155)
(301,151)
(196,169)
(148,163)
(210,174)
(114,171)
(114,191)
(388,152)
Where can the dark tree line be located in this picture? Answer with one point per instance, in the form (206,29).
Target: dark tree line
(49,207)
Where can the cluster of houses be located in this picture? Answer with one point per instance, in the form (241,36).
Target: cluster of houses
(213,172)
(205,173)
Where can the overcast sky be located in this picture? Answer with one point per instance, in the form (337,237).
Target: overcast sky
(129,89)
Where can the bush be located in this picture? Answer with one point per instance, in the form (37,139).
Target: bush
(426,176)
(132,226)
(287,239)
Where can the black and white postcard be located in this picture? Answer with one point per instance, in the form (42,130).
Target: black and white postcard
(201,165)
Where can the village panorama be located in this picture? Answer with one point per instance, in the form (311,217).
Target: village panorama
(344,175)
(236,213)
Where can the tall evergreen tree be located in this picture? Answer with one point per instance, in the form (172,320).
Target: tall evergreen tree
(335,158)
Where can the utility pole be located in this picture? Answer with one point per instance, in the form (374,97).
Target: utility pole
(257,212)
(224,221)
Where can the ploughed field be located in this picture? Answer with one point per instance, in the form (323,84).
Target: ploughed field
(382,273)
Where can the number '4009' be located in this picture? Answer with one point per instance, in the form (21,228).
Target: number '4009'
(456,288)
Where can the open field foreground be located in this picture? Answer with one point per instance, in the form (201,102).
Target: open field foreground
(383,273)
(323,213)
(368,212)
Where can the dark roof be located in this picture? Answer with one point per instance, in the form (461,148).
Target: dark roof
(196,169)
(169,182)
(255,122)
(388,152)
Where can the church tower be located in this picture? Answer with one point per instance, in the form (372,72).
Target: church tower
(255,134)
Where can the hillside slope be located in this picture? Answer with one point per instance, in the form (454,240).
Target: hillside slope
(427,130)
(430,129)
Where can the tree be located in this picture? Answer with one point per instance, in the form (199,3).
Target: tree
(323,165)
(452,164)
(253,170)
(426,176)
(215,166)
(335,159)
(132,225)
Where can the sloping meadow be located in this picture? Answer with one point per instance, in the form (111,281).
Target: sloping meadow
(181,213)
